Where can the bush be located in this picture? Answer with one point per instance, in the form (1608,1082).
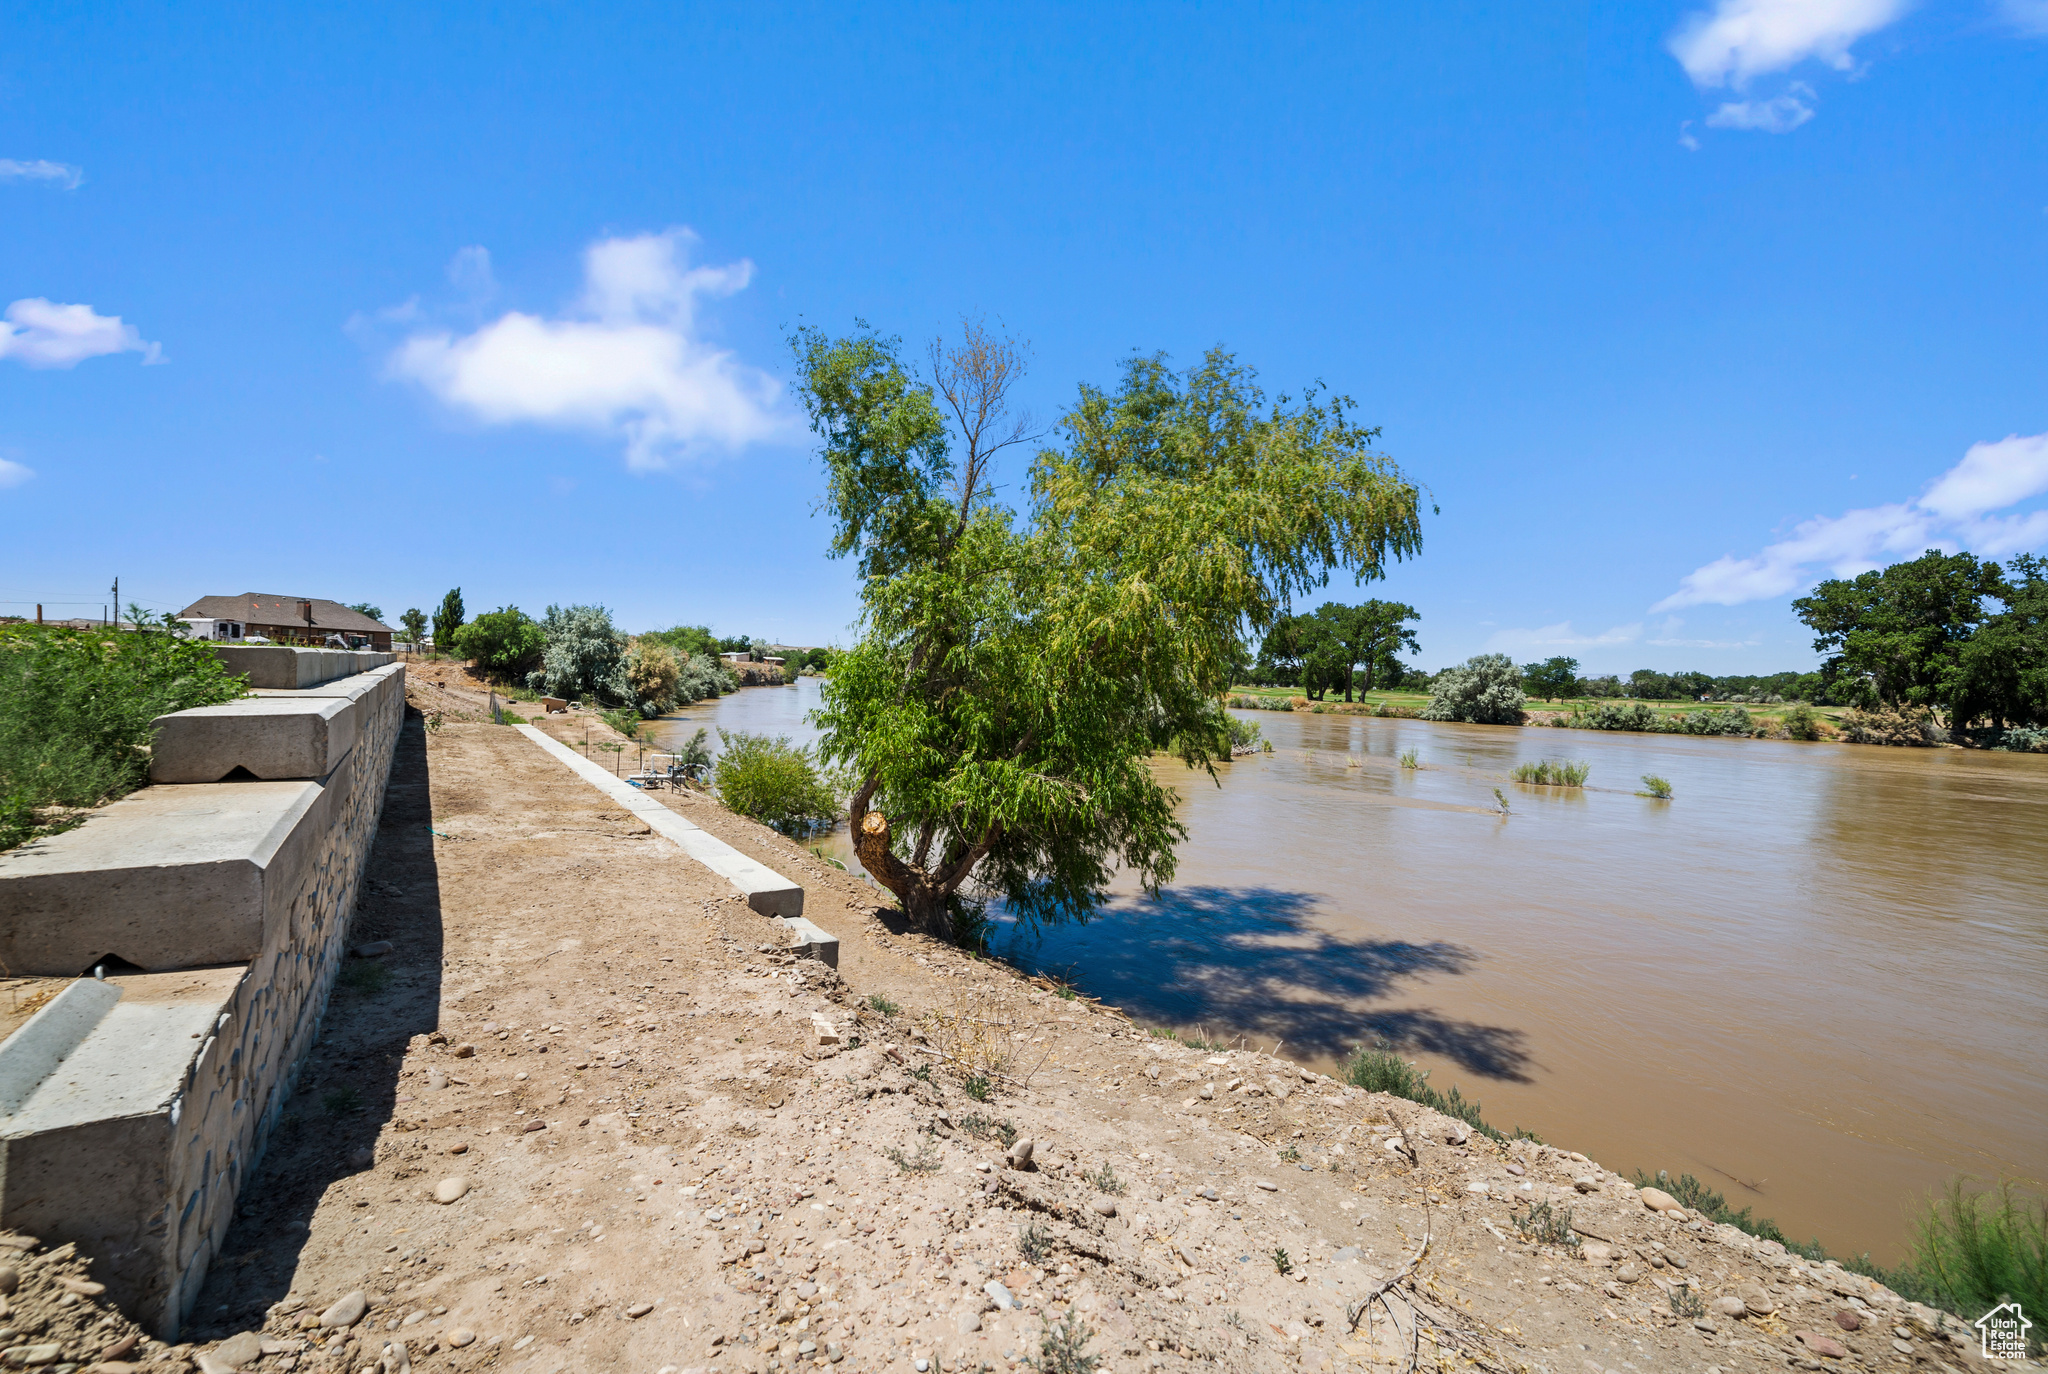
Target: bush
(1733,721)
(1244,734)
(652,673)
(1379,1070)
(1654,786)
(1612,715)
(1977,1250)
(1906,727)
(1801,722)
(774,782)
(2018,739)
(585,657)
(506,643)
(1487,690)
(76,715)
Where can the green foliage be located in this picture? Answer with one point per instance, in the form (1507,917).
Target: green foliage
(1244,734)
(1034,1243)
(1685,1303)
(1802,723)
(1502,798)
(1281,1264)
(77,714)
(775,782)
(2001,673)
(685,640)
(585,657)
(1974,1251)
(1544,1224)
(414,622)
(693,756)
(365,608)
(1377,1069)
(1905,625)
(1063,1348)
(1410,759)
(1654,786)
(505,643)
(1104,1180)
(1552,678)
(1548,774)
(999,1129)
(877,1002)
(507,718)
(1487,690)
(924,1161)
(1908,726)
(1611,715)
(977,1087)
(626,723)
(447,621)
(1732,721)
(1338,647)
(1014,676)
(652,672)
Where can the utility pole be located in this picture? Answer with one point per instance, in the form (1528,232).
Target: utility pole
(117,603)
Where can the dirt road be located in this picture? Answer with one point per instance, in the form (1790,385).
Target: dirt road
(659,1142)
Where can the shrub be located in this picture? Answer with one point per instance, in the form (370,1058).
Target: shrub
(585,656)
(774,782)
(1612,715)
(1977,1250)
(506,643)
(1487,690)
(1654,786)
(1411,759)
(1905,726)
(77,714)
(703,675)
(626,723)
(652,673)
(1733,721)
(1244,734)
(1377,1069)
(1548,774)
(2019,739)
(1801,722)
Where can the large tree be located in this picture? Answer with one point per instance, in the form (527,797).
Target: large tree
(2001,673)
(447,621)
(1369,636)
(1904,626)
(1552,678)
(1016,672)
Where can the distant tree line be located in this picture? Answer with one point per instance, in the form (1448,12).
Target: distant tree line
(1339,648)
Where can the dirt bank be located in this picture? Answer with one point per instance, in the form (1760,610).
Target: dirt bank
(660,1143)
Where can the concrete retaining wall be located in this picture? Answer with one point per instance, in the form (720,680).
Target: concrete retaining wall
(131,1110)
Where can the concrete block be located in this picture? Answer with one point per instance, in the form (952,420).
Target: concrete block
(766,891)
(811,941)
(91,1154)
(169,877)
(271,737)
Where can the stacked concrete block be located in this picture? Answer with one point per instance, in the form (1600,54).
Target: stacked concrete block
(235,897)
(278,665)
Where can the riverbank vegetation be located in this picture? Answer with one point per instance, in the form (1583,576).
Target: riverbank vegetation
(77,709)
(1017,670)
(1377,1069)
(775,782)
(1548,774)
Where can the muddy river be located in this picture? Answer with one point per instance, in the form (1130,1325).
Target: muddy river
(1817,977)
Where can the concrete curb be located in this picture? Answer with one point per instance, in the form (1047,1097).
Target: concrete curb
(766,891)
(34,1052)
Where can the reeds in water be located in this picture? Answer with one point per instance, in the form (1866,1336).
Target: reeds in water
(1548,774)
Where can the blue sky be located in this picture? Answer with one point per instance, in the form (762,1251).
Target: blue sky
(1673,308)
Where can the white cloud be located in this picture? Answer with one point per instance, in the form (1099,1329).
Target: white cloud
(62,173)
(2028,16)
(1559,636)
(1956,511)
(40,333)
(13,474)
(1742,39)
(1779,115)
(1686,139)
(625,360)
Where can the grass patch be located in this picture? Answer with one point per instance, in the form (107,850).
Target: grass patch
(508,718)
(925,1161)
(877,1002)
(981,1127)
(1034,1243)
(1104,1180)
(1193,1042)
(1656,787)
(77,716)
(1377,1069)
(1548,774)
(1063,1349)
(1545,1225)
(626,723)
(977,1087)
(1411,759)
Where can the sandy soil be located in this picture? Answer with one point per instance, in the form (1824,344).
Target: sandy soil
(670,1145)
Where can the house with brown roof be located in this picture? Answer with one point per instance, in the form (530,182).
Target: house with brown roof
(284,620)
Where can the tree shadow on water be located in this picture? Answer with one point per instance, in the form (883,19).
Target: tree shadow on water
(1254,961)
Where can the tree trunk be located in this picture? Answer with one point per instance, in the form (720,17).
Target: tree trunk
(922,900)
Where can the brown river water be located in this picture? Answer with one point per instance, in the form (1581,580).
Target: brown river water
(1817,978)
